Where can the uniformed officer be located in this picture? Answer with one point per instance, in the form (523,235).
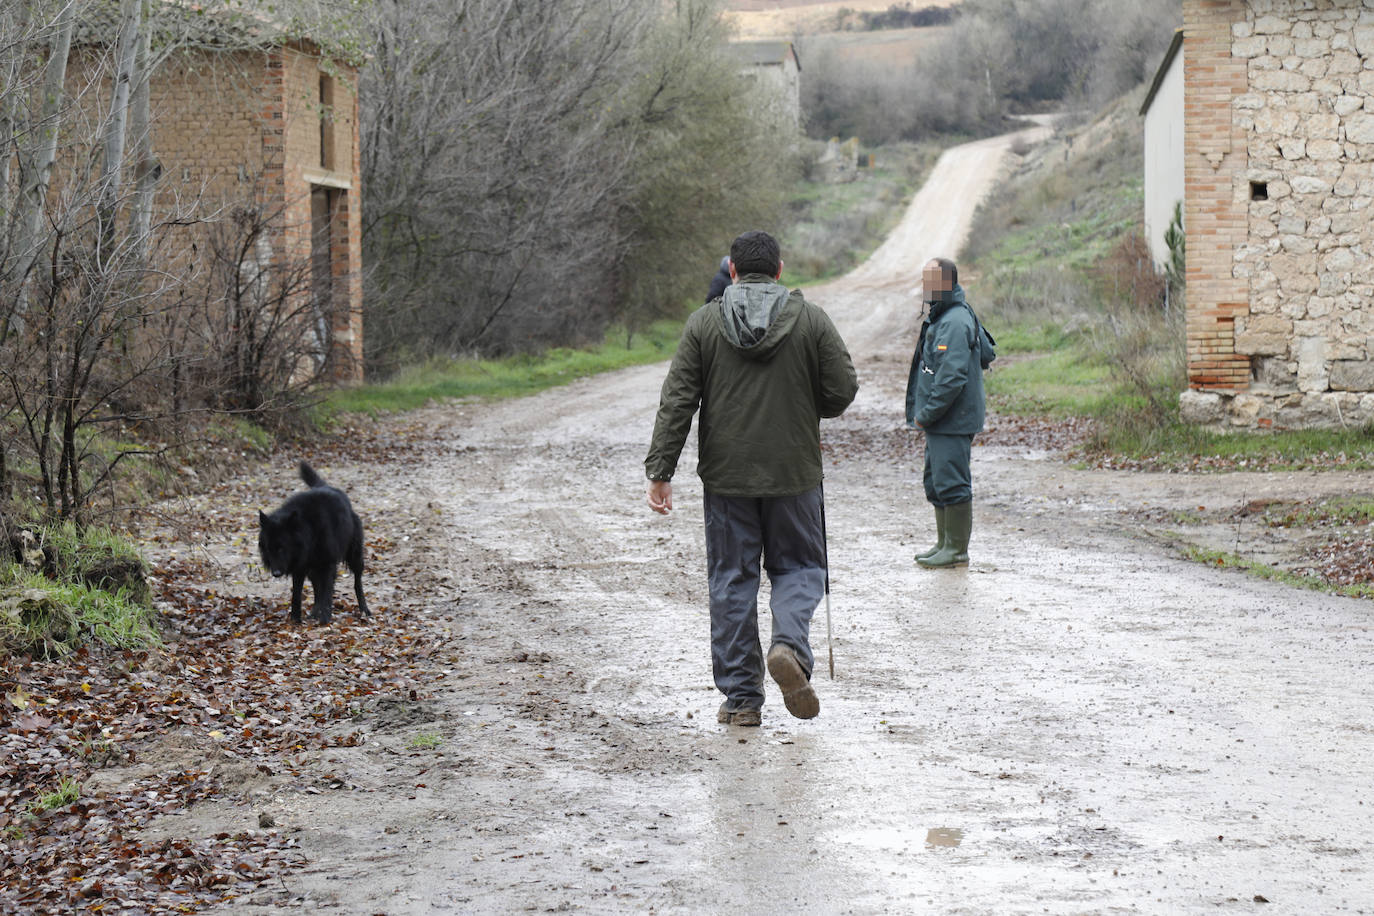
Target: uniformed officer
(944,398)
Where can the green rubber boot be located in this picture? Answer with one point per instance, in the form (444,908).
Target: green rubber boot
(958,528)
(939,535)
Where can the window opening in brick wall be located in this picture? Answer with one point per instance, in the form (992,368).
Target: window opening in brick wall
(1259,190)
(326,121)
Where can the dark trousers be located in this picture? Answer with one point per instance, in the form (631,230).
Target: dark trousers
(786,532)
(947,478)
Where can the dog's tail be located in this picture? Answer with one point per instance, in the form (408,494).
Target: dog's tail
(310,477)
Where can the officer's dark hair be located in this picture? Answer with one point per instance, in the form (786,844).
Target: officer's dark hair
(948,269)
(756,252)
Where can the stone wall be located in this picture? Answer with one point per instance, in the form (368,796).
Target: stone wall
(1288,204)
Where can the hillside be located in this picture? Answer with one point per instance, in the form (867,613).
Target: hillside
(793,18)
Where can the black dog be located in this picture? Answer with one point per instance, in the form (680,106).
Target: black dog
(309,536)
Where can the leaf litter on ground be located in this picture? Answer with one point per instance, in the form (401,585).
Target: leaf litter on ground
(235,682)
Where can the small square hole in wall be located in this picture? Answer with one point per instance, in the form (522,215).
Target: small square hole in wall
(1259,190)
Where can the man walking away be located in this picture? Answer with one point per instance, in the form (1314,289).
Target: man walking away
(764,366)
(944,397)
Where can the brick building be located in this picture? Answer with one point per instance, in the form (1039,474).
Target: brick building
(1279,180)
(241,113)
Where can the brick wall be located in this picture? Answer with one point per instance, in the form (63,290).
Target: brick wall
(1216,194)
(231,126)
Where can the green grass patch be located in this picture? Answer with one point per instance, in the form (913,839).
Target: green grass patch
(1177,445)
(426,741)
(439,380)
(1225,560)
(1033,337)
(95,557)
(1063,383)
(41,617)
(1350,510)
(67,791)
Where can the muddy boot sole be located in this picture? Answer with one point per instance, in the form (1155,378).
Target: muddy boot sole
(797,694)
(747,718)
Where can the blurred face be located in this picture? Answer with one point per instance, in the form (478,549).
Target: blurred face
(934,280)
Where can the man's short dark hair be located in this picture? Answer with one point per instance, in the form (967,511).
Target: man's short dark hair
(948,269)
(756,252)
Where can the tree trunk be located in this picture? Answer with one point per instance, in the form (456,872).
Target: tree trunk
(146,167)
(10,98)
(34,197)
(117,121)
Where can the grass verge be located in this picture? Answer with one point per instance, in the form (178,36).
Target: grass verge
(512,376)
(1226,560)
(1067,382)
(67,586)
(48,619)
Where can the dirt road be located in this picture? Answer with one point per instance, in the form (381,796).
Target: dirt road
(1077,723)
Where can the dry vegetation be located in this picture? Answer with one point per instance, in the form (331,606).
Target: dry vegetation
(996,57)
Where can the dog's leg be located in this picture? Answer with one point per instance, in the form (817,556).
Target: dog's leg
(297,583)
(323,580)
(355,563)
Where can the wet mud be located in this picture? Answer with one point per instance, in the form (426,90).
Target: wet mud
(1079,722)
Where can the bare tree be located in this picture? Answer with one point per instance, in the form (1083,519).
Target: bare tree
(259,348)
(36,150)
(112,326)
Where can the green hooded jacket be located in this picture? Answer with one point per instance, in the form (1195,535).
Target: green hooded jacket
(764,366)
(944,393)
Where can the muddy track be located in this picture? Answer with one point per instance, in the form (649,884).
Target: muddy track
(1079,722)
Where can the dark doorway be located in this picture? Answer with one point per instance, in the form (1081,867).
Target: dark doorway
(323,205)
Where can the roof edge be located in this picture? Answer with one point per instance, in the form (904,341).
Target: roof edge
(1163,70)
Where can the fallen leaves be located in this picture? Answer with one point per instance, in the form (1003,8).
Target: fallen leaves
(1344,561)
(236,683)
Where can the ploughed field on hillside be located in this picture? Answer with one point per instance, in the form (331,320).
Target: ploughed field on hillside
(790,18)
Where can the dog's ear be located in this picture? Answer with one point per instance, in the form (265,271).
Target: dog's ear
(263,519)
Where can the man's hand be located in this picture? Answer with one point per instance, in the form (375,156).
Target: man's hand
(661,496)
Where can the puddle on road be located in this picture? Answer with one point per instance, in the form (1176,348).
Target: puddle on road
(944,836)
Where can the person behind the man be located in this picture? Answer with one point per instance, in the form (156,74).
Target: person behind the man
(944,397)
(764,366)
(720,280)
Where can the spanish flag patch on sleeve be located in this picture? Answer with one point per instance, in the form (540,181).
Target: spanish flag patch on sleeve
(941,347)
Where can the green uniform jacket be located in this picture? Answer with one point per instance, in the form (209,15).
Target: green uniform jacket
(761,402)
(944,393)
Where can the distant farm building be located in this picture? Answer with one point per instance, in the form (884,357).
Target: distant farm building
(1279,179)
(777,70)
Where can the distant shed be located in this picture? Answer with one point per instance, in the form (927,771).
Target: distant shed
(776,66)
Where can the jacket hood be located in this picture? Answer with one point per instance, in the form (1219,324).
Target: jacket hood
(756,315)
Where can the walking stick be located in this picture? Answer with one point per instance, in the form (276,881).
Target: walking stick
(825,544)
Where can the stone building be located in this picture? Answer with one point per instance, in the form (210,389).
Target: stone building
(242,113)
(775,65)
(1279,176)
